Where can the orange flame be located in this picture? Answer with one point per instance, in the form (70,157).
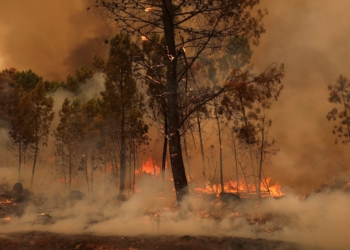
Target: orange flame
(149,167)
(243,188)
(7,218)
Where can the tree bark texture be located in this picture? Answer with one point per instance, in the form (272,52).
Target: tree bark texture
(177,165)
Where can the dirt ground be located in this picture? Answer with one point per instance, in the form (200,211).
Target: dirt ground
(44,240)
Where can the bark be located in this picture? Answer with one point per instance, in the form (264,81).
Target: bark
(34,161)
(261,158)
(122,143)
(86,172)
(187,156)
(165,145)
(236,161)
(201,142)
(133,176)
(177,165)
(70,166)
(220,148)
(92,176)
(19,160)
(130,166)
(63,166)
(245,179)
(105,175)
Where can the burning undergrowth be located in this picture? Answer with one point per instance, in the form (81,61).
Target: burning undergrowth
(321,219)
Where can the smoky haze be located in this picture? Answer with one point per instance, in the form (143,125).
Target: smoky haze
(310,38)
(50,37)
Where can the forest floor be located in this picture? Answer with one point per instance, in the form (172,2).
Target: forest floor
(45,240)
(12,206)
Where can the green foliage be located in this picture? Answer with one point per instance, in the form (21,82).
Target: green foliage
(247,96)
(76,81)
(67,135)
(122,105)
(237,54)
(27,80)
(340,96)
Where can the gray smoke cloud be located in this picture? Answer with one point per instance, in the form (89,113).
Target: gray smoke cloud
(310,38)
(50,37)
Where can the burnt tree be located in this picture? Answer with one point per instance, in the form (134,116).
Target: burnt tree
(191,29)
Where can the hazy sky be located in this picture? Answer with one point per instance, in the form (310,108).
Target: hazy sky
(310,37)
(50,37)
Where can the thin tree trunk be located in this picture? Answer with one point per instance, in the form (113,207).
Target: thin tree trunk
(19,159)
(63,166)
(130,166)
(236,161)
(70,166)
(34,163)
(85,157)
(24,158)
(187,157)
(93,166)
(133,179)
(165,144)
(261,157)
(122,143)
(245,179)
(220,150)
(201,143)
(105,174)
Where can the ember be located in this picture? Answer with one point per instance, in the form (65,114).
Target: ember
(7,218)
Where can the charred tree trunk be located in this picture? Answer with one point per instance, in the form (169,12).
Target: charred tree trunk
(236,161)
(70,165)
(122,142)
(134,169)
(93,167)
(85,167)
(201,143)
(36,151)
(177,165)
(187,156)
(105,174)
(220,149)
(63,165)
(130,165)
(261,158)
(165,144)
(19,160)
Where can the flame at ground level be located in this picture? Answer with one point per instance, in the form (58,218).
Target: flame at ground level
(149,167)
(242,188)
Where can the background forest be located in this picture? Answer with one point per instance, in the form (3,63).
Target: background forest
(139,103)
(89,102)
